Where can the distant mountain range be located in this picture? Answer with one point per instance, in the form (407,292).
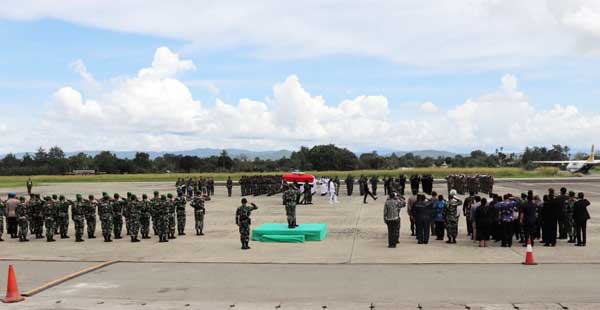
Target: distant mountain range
(422,153)
(238,153)
(202,152)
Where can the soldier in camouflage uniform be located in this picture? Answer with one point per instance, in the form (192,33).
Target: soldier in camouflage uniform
(162,219)
(172,217)
(78,216)
(145,213)
(154,205)
(135,211)
(290,198)
(243,220)
(22,219)
(105,211)
(117,209)
(2,211)
(37,216)
(451,215)
(56,219)
(89,212)
(180,204)
(199,211)
(63,216)
(50,216)
(126,207)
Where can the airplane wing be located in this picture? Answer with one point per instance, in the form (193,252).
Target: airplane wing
(552,162)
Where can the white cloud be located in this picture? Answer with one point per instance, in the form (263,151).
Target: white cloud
(429,107)
(487,33)
(153,110)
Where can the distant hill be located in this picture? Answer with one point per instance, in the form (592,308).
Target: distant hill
(238,153)
(203,152)
(422,153)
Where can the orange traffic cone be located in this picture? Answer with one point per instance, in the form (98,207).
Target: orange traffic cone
(529,255)
(12,290)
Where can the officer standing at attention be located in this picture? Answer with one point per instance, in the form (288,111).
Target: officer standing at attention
(290,198)
(29,186)
(229,186)
(78,216)
(89,209)
(242,219)
(199,211)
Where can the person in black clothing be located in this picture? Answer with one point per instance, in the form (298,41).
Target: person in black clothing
(367,192)
(563,198)
(550,213)
(422,212)
(484,219)
(581,216)
(529,218)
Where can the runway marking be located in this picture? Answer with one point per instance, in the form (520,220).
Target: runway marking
(68,277)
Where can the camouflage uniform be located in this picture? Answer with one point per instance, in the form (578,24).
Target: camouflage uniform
(63,217)
(180,203)
(38,217)
(126,211)
(22,219)
(199,211)
(162,218)
(117,209)
(89,211)
(289,198)
(154,205)
(105,211)
(134,218)
(451,214)
(50,216)
(243,220)
(78,216)
(145,212)
(172,216)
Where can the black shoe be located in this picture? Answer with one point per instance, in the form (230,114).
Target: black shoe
(1,240)
(50,240)
(546,244)
(201,234)
(391,246)
(578,244)
(449,241)
(183,234)
(571,241)
(118,237)
(79,240)
(135,240)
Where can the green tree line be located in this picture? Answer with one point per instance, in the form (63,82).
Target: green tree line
(318,157)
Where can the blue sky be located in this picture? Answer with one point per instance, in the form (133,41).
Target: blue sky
(41,44)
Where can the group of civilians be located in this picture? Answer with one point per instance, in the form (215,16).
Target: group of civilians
(500,218)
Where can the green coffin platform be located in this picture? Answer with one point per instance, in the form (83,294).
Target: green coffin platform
(274,232)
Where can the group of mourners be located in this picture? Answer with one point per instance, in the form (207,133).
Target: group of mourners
(500,218)
(49,216)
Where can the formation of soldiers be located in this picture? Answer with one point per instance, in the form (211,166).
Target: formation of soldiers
(261,185)
(47,217)
(195,187)
(480,183)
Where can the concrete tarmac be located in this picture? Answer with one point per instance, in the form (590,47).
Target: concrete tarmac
(356,233)
(267,286)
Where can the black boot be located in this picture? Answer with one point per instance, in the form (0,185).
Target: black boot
(79,239)
(134,239)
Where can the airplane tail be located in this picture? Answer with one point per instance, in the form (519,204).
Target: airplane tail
(592,154)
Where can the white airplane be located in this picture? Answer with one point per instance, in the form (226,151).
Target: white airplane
(575,166)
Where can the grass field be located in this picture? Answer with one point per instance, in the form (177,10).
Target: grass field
(16,181)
